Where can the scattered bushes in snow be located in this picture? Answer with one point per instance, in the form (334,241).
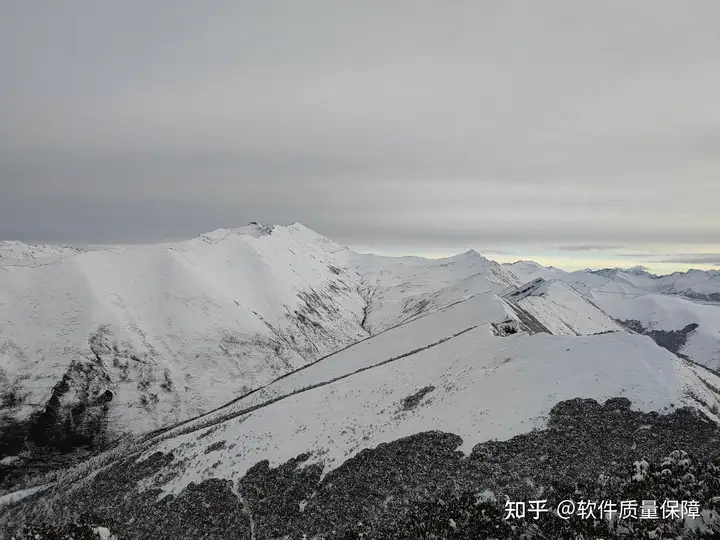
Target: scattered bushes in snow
(413,400)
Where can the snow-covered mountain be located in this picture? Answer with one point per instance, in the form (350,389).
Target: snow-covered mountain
(96,344)
(693,284)
(681,310)
(280,385)
(18,253)
(526,271)
(129,339)
(136,336)
(354,439)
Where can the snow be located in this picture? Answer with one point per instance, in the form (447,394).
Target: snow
(13,253)
(234,309)
(197,313)
(103,533)
(529,270)
(19,495)
(659,302)
(562,309)
(423,332)
(485,387)
(403,288)
(624,281)
(230,310)
(662,312)
(333,343)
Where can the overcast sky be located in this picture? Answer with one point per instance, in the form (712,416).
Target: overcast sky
(572,129)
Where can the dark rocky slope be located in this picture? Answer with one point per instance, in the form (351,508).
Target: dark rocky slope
(419,486)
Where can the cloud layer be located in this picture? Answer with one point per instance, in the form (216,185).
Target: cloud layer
(404,125)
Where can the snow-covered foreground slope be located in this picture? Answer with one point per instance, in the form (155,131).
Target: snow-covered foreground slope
(485,309)
(472,382)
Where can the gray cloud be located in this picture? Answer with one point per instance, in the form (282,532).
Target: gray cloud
(686,258)
(598,247)
(712,258)
(414,125)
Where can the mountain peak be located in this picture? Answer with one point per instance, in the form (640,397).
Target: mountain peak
(254,229)
(604,272)
(300,227)
(638,270)
(470,254)
(529,264)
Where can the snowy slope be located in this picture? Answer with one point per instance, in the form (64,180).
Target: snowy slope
(135,335)
(562,309)
(663,305)
(474,383)
(399,289)
(693,284)
(486,309)
(20,254)
(149,329)
(671,313)
(612,281)
(530,270)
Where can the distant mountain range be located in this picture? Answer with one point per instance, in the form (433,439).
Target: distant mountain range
(693,284)
(680,310)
